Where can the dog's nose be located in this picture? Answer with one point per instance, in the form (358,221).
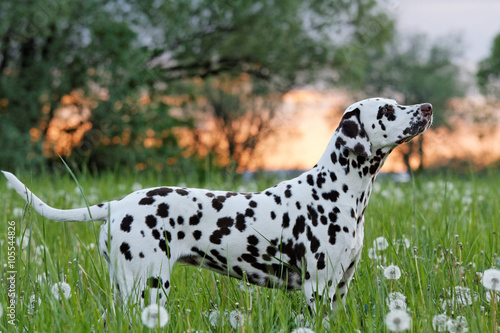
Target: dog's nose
(426,109)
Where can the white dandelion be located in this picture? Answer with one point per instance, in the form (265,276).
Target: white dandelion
(398,321)
(302,330)
(380,243)
(236,319)
(214,318)
(136,187)
(300,320)
(40,250)
(154,316)
(439,322)
(491,279)
(463,296)
(458,325)
(373,255)
(61,288)
(18,212)
(392,272)
(396,301)
(404,242)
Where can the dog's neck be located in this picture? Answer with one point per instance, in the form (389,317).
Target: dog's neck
(363,170)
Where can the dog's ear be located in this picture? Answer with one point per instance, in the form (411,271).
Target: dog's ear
(352,135)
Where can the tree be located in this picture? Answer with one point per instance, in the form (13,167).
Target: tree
(488,74)
(418,71)
(120,54)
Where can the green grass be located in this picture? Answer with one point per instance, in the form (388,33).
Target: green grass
(452,225)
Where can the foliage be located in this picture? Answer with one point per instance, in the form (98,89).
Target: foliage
(488,74)
(441,231)
(116,53)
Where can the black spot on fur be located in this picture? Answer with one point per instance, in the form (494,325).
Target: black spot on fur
(181,192)
(217,204)
(125,250)
(253,240)
(350,128)
(332,195)
(126,223)
(153,282)
(286,221)
(333,229)
(197,234)
(194,220)
(240,222)
(299,226)
(151,221)
(147,201)
(180,235)
(161,191)
(156,234)
(162,210)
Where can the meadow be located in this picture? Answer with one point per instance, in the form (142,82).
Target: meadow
(441,231)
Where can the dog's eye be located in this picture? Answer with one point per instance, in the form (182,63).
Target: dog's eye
(387,109)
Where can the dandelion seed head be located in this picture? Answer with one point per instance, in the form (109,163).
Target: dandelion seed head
(439,322)
(302,330)
(458,325)
(373,255)
(398,321)
(491,279)
(154,316)
(214,318)
(392,272)
(396,301)
(60,290)
(136,187)
(236,319)
(380,243)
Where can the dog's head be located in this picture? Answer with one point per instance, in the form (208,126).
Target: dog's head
(375,123)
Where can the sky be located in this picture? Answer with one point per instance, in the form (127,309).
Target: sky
(476,21)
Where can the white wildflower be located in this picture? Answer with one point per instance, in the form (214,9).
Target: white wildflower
(491,279)
(154,316)
(18,212)
(300,320)
(404,242)
(380,243)
(457,325)
(214,318)
(463,296)
(236,319)
(392,272)
(61,288)
(398,321)
(40,250)
(136,187)
(302,330)
(373,255)
(439,322)
(396,301)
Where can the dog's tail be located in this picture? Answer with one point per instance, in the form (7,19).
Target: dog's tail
(87,214)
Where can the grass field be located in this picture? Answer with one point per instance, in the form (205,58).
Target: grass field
(441,232)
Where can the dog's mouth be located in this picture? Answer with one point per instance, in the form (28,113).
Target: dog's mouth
(422,124)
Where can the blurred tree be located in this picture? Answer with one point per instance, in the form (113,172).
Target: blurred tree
(124,56)
(488,74)
(416,71)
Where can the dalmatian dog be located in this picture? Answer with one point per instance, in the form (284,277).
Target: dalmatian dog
(304,233)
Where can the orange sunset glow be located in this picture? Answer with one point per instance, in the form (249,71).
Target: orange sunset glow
(306,122)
